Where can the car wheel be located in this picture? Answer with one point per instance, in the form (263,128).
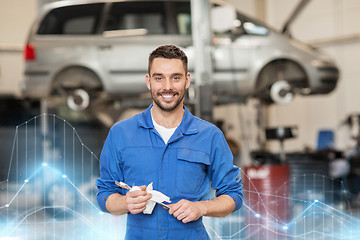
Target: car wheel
(289,76)
(60,200)
(281,92)
(78,86)
(78,100)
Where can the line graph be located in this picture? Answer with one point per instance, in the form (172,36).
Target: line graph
(49,193)
(324,215)
(50,180)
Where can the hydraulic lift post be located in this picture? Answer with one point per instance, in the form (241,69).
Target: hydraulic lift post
(200,15)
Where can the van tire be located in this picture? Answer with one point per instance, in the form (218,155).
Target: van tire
(79,86)
(279,70)
(60,200)
(79,100)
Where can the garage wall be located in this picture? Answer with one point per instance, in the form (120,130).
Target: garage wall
(322,20)
(16,17)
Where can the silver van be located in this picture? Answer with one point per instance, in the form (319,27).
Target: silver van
(100,47)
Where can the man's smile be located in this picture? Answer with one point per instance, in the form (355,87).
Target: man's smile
(168,96)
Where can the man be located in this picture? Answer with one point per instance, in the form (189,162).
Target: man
(179,153)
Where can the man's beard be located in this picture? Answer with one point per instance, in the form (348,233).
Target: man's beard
(168,106)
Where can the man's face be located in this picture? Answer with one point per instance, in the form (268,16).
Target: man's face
(167,83)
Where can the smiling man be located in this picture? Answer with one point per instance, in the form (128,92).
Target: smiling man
(167,83)
(180,154)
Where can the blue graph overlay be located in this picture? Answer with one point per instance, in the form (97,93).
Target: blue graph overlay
(48,192)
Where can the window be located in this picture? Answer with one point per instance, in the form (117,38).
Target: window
(183,18)
(252,26)
(149,18)
(254,29)
(78,19)
(136,15)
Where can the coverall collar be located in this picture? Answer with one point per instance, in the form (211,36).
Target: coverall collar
(186,127)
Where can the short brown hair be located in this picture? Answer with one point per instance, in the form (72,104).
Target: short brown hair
(169,52)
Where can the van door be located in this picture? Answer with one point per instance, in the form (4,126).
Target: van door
(132,30)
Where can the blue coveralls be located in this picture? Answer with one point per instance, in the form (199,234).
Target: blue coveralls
(195,156)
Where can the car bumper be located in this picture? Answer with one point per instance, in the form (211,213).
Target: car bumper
(36,85)
(328,77)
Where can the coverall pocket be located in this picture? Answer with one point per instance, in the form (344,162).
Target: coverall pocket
(191,170)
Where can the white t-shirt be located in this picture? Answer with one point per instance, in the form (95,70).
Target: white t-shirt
(164,132)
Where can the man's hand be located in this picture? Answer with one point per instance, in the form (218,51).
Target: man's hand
(186,211)
(136,200)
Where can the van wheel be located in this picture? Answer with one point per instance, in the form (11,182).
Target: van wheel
(78,100)
(281,72)
(78,86)
(60,200)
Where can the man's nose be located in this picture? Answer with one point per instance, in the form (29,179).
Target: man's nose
(168,84)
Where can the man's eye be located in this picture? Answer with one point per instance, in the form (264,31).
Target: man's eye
(158,78)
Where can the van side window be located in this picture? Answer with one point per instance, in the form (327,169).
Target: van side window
(78,19)
(149,17)
(183,18)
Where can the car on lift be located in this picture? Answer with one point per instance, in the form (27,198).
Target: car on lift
(82,50)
